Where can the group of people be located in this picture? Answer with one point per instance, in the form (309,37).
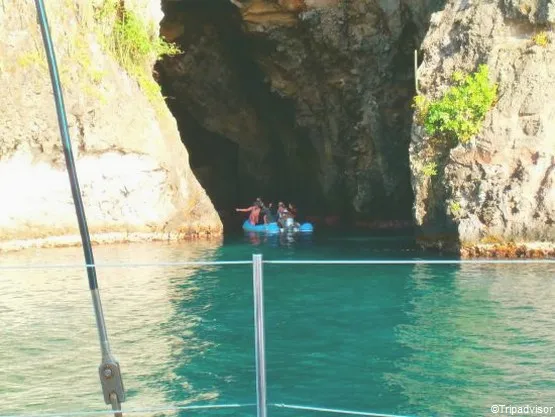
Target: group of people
(262,214)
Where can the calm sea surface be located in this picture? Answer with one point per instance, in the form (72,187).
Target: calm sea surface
(419,340)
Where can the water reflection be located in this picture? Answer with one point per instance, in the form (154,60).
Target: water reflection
(278,239)
(216,360)
(417,340)
(477,331)
(49,350)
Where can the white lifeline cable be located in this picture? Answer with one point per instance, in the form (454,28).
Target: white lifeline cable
(124,265)
(133,410)
(289,262)
(335,410)
(205,407)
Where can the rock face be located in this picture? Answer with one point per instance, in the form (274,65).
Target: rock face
(348,66)
(132,167)
(340,75)
(214,92)
(499,188)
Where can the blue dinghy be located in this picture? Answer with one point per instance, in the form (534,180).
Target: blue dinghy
(273,228)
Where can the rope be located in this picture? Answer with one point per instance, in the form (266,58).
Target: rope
(135,410)
(287,262)
(335,410)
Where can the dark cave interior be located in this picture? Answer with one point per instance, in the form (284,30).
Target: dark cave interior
(243,139)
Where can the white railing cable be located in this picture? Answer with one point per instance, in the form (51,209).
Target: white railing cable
(177,408)
(287,262)
(335,410)
(125,265)
(134,410)
(412,262)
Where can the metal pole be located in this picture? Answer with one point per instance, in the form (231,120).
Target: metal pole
(260,349)
(110,376)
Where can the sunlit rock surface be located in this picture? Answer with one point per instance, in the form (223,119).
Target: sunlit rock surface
(498,191)
(133,169)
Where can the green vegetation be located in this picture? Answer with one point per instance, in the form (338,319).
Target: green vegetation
(430,169)
(421,106)
(94,93)
(133,44)
(34,57)
(79,52)
(37,59)
(455,207)
(541,38)
(459,114)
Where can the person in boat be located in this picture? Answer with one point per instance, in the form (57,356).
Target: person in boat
(281,208)
(292,209)
(262,218)
(295,214)
(273,211)
(279,212)
(267,213)
(285,219)
(254,211)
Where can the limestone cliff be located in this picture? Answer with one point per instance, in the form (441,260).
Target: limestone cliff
(500,187)
(133,169)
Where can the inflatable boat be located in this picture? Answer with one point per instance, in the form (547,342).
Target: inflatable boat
(273,228)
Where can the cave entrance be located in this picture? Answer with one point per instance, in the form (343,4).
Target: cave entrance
(242,139)
(240,97)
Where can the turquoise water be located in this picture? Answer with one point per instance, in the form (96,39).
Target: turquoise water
(415,340)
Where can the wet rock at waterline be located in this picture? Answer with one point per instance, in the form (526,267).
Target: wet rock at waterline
(133,169)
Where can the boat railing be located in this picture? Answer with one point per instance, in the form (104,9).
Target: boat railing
(257,263)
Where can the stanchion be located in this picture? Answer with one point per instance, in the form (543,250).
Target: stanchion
(259,338)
